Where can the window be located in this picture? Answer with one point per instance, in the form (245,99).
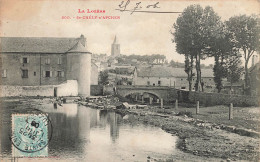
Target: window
(60,73)
(59,60)
(4,73)
(181,79)
(47,74)
(159,82)
(183,87)
(34,73)
(148,82)
(209,79)
(24,73)
(25,60)
(47,61)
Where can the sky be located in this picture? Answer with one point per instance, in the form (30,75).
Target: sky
(137,33)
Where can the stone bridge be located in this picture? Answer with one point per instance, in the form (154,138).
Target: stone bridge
(162,92)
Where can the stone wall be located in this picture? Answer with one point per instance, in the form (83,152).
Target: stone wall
(8,91)
(69,88)
(211,99)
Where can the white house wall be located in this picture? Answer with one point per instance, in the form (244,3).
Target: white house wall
(178,83)
(154,81)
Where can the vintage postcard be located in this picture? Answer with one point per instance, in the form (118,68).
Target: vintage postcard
(129,80)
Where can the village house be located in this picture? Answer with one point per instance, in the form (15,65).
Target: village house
(121,75)
(254,80)
(43,61)
(159,75)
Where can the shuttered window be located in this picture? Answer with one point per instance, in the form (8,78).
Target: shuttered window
(48,74)
(60,73)
(59,60)
(47,61)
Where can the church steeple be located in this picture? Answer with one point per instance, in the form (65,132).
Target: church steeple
(115,48)
(115,40)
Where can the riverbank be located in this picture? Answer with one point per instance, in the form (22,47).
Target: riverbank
(209,133)
(200,135)
(201,140)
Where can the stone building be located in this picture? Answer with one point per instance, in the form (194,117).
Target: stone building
(41,61)
(121,75)
(172,77)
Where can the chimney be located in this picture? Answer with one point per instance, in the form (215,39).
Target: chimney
(82,40)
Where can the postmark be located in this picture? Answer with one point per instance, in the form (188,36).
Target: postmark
(30,135)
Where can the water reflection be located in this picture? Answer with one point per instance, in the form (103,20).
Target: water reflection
(97,135)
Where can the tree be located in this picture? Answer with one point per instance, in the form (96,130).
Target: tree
(245,32)
(234,69)
(220,48)
(193,30)
(188,69)
(103,78)
(219,73)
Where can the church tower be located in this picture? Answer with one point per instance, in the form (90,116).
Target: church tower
(115,48)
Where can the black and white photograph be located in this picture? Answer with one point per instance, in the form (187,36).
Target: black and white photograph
(129,80)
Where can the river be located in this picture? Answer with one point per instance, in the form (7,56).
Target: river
(84,134)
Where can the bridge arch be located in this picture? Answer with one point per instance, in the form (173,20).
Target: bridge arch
(142,92)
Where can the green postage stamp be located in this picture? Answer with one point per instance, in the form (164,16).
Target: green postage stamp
(29,135)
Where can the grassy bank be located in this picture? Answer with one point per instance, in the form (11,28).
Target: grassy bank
(196,139)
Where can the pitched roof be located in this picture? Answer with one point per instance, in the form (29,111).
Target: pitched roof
(79,48)
(162,71)
(123,70)
(39,44)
